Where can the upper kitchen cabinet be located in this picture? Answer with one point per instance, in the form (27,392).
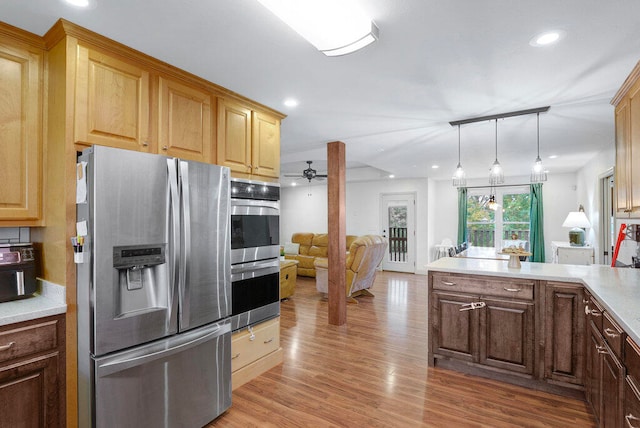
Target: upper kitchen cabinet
(266,145)
(248,141)
(627,123)
(185,121)
(112,101)
(21,77)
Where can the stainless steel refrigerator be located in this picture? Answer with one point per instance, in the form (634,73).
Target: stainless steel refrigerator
(153,289)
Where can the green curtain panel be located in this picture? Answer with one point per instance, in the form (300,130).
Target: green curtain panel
(462,215)
(536,217)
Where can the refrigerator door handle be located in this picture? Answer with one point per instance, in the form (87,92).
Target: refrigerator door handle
(118,365)
(183,285)
(174,230)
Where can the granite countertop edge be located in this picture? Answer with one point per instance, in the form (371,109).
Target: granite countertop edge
(617,289)
(50,299)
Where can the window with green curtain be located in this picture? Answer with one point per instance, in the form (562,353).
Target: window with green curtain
(537,224)
(462,215)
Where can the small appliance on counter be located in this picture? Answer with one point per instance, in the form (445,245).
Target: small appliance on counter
(17,271)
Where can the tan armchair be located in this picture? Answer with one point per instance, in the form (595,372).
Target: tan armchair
(365,254)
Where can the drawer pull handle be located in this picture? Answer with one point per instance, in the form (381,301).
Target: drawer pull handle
(7,346)
(235,356)
(610,333)
(601,350)
(268,341)
(628,418)
(472,306)
(513,290)
(594,313)
(450,284)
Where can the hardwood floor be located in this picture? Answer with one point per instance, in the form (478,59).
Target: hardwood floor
(373,372)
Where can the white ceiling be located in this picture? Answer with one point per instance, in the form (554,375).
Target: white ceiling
(435,62)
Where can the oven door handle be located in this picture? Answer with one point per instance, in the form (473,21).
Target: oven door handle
(270,266)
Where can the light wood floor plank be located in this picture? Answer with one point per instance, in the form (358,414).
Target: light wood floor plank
(372,372)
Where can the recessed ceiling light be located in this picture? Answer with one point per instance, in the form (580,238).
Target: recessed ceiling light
(391,176)
(553,156)
(290,102)
(547,38)
(293,184)
(78,3)
(435,166)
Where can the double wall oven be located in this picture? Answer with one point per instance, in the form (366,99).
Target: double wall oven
(255,252)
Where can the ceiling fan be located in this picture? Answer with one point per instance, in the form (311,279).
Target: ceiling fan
(309,174)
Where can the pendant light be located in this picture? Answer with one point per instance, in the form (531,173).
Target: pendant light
(459,177)
(496,175)
(538,174)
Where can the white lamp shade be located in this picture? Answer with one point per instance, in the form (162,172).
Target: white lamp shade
(576,219)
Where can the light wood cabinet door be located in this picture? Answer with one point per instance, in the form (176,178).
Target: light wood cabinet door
(622,140)
(564,319)
(633,150)
(20,135)
(266,145)
(112,101)
(185,121)
(234,136)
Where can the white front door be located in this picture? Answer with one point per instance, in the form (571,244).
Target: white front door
(398,226)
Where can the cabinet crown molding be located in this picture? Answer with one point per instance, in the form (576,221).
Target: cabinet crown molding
(628,83)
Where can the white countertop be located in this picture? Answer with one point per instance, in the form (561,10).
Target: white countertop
(618,289)
(49,300)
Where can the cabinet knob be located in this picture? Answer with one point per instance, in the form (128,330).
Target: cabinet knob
(165,148)
(235,356)
(145,143)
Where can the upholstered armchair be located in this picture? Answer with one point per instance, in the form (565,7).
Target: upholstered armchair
(365,254)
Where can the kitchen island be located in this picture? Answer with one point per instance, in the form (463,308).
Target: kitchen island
(573,330)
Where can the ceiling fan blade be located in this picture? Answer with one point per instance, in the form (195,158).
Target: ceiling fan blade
(322,175)
(292,175)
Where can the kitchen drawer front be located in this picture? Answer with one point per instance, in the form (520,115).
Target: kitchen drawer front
(613,334)
(26,340)
(254,343)
(632,360)
(486,286)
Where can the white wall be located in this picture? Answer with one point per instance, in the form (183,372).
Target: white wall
(590,194)
(302,213)
(558,193)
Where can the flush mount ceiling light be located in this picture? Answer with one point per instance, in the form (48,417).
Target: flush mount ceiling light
(290,102)
(334,27)
(547,38)
(459,177)
(538,173)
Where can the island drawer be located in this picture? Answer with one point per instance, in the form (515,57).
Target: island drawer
(485,286)
(632,360)
(28,339)
(613,334)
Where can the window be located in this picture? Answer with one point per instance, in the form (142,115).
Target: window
(505,225)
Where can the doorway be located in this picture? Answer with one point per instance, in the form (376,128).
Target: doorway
(398,226)
(607,219)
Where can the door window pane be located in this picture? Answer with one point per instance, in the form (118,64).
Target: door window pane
(515,217)
(398,233)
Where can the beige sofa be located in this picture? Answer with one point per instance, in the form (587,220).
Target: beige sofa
(365,254)
(308,247)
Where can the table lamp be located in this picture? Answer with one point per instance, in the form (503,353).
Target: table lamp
(577,220)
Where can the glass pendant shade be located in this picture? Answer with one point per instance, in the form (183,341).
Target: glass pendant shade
(496,175)
(538,173)
(459,178)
